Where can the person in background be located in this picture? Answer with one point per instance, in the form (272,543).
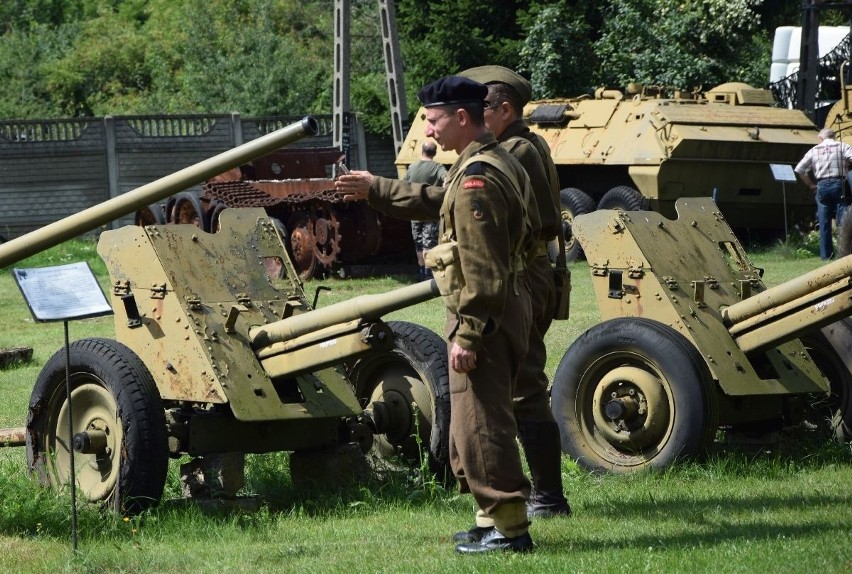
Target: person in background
(425,233)
(829,161)
(486,223)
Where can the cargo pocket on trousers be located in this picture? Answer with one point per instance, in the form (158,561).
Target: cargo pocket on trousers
(458,381)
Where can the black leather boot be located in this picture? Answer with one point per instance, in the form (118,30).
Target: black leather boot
(494,541)
(543,451)
(473,535)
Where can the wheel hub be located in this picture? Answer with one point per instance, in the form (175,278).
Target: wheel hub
(95,420)
(630,408)
(392,407)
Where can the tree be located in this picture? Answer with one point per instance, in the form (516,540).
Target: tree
(557,50)
(679,44)
(441,38)
(258,57)
(271,57)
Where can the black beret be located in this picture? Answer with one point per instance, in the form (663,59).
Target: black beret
(452,90)
(501,74)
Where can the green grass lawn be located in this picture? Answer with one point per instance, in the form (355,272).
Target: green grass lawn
(759,510)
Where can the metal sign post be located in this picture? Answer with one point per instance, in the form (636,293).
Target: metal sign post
(63,293)
(783,172)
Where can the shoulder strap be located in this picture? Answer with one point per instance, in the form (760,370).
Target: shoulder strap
(525,245)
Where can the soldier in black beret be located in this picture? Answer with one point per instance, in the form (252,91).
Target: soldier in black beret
(486,230)
(452,90)
(508,93)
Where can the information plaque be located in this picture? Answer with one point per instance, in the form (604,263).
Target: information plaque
(62,292)
(782,172)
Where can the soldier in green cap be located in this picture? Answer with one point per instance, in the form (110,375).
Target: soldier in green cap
(486,231)
(508,93)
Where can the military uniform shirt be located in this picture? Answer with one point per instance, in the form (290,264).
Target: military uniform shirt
(484,217)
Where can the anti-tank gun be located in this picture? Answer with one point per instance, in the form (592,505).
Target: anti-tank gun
(692,341)
(218,350)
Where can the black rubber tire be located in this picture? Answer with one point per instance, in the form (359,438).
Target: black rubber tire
(624,198)
(418,355)
(151,215)
(667,377)
(187,209)
(573,202)
(113,390)
(831,350)
(844,235)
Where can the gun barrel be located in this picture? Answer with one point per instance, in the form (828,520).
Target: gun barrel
(363,307)
(89,219)
(788,310)
(786,292)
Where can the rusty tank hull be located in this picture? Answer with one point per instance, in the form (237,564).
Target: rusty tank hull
(293,186)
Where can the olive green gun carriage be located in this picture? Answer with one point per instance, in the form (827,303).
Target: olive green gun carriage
(217,350)
(691,341)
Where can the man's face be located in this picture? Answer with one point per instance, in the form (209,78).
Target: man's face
(442,125)
(497,114)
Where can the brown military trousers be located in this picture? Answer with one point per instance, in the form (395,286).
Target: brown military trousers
(484,453)
(532,400)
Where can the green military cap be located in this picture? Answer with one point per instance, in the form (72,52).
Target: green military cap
(492,74)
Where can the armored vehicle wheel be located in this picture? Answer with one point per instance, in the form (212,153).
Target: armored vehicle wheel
(187,209)
(632,394)
(624,198)
(151,215)
(415,371)
(214,211)
(831,350)
(326,234)
(574,202)
(119,426)
(844,235)
(302,245)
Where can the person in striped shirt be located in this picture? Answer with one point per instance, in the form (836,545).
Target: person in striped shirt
(829,162)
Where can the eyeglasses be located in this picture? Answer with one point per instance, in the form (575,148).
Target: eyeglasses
(491,105)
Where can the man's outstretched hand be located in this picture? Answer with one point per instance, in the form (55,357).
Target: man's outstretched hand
(354,186)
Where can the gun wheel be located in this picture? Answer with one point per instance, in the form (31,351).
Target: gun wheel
(844,235)
(632,394)
(831,350)
(407,387)
(115,403)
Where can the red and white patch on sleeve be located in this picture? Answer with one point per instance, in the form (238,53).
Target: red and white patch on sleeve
(473,184)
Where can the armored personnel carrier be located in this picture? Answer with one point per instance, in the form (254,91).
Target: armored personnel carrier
(643,148)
